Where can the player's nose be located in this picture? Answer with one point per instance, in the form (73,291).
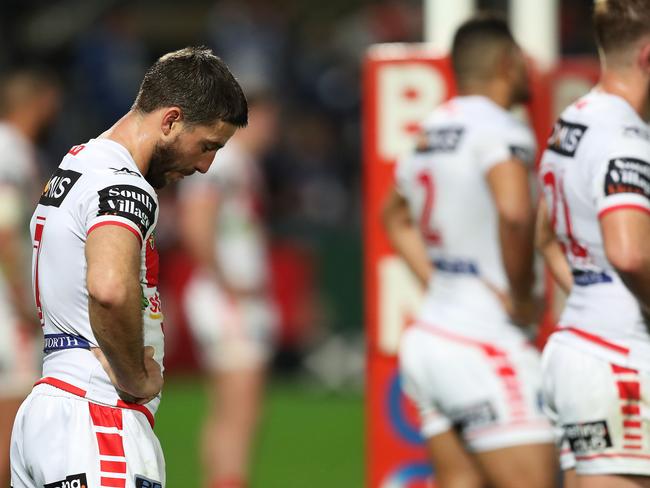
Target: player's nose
(203,165)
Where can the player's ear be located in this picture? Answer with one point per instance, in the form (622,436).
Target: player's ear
(172,120)
(644,57)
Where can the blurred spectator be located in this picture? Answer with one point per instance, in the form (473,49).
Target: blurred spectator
(29,100)
(227,301)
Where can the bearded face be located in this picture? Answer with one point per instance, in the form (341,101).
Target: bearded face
(165,161)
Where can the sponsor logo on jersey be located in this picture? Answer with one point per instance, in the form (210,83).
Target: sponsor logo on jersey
(478,415)
(58,187)
(582,277)
(627,175)
(446,139)
(130,202)
(524,154)
(142,482)
(637,132)
(57,342)
(588,437)
(72,481)
(125,171)
(566,137)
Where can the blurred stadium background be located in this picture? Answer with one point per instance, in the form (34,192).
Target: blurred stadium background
(309,54)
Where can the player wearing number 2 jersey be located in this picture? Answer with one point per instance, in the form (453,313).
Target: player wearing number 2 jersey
(463,206)
(593,230)
(88,421)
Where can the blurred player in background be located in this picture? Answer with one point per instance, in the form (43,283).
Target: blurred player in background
(462,205)
(29,101)
(88,421)
(594,230)
(227,301)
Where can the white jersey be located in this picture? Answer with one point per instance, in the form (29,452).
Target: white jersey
(96,184)
(598,160)
(445,184)
(240,244)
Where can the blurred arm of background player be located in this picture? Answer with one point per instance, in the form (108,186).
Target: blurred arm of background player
(115,312)
(509,184)
(549,247)
(12,258)
(405,237)
(626,233)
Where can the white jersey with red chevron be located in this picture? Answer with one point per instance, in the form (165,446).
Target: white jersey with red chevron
(444,181)
(598,161)
(96,184)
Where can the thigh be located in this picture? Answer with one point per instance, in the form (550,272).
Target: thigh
(454,466)
(602,409)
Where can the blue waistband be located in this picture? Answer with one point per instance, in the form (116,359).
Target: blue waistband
(459,266)
(58,342)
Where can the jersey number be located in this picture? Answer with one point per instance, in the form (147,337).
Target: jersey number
(559,204)
(38,244)
(431,235)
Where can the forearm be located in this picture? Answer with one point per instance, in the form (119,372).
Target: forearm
(638,283)
(407,242)
(118,328)
(517,250)
(558,265)
(13,269)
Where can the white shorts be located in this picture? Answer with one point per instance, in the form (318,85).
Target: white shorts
(600,411)
(231,334)
(19,355)
(489,392)
(61,440)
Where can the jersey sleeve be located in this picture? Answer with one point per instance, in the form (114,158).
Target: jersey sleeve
(499,143)
(622,179)
(401,173)
(128,203)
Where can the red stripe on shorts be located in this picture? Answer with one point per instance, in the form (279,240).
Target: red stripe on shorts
(112,466)
(104,416)
(110,444)
(113,482)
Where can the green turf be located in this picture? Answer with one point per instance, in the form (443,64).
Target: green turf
(307,439)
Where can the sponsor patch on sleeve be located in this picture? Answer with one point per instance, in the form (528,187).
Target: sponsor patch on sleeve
(478,415)
(628,175)
(58,187)
(142,482)
(72,481)
(129,202)
(445,139)
(566,137)
(525,154)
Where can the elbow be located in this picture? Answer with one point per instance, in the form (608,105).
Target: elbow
(518,219)
(107,291)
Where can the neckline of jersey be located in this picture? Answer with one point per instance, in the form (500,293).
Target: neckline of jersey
(121,149)
(618,100)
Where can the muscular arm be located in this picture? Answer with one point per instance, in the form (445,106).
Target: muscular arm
(115,310)
(626,233)
(405,237)
(549,247)
(509,184)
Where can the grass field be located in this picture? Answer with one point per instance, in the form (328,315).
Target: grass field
(308,438)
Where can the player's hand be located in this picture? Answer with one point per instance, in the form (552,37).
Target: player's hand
(146,389)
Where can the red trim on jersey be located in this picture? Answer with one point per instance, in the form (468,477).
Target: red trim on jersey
(595,339)
(62,385)
(629,390)
(623,370)
(631,410)
(119,224)
(633,437)
(152,262)
(626,206)
(113,482)
(74,150)
(632,424)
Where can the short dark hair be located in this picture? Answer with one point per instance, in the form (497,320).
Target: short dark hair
(198,82)
(472,41)
(619,23)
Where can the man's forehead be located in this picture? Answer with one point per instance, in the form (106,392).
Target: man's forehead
(216,132)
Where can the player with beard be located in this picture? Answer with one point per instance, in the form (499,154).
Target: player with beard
(593,231)
(89,420)
(462,206)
